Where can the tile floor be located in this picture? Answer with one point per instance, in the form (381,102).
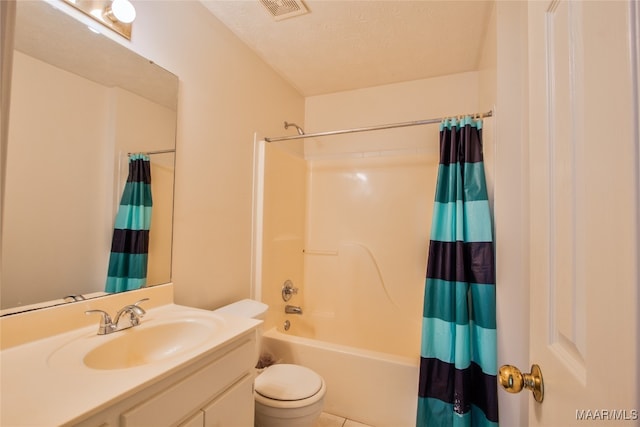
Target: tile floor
(328,420)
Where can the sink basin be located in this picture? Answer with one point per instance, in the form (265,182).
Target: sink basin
(138,346)
(153,341)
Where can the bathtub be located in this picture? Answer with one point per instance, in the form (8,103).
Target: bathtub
(370,387)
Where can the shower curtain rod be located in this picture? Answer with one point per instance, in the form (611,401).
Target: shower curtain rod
(370,128)
(155,152)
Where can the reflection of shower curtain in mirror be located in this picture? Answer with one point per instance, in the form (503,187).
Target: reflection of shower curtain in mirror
(458,366)
(130,244)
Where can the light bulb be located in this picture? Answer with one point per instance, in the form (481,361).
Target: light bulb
(123,11)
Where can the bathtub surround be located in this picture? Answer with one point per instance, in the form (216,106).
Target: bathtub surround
(349,267)
(458,358)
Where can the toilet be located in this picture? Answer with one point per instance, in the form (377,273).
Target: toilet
(286,395)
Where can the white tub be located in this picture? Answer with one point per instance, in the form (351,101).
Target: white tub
(374,388)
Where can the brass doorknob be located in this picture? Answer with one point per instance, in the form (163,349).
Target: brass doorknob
(513,380)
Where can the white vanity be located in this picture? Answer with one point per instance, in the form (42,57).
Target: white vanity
(179,366)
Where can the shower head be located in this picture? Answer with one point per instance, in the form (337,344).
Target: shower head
(298,128)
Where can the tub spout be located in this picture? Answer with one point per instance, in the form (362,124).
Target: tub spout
(292,309)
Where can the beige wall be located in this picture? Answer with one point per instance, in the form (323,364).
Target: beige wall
(226,94)
(394,103)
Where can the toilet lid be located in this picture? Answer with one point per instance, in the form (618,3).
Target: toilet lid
(287,382)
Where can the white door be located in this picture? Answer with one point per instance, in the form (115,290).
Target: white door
(583,125)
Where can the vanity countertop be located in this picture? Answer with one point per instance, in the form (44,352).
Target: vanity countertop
(45,382)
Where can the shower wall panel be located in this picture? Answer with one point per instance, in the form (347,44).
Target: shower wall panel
(368,221)
(283,228)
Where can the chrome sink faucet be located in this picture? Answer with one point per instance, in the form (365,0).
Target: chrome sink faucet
(108,326)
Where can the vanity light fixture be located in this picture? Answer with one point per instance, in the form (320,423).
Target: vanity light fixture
(121,10)
(117,15)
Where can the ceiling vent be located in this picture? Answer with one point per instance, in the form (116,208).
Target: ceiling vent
(283,9)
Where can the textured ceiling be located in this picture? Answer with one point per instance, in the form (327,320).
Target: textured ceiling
(342,45)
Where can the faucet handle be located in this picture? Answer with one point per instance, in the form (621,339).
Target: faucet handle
(105,321)
(137,312)
(288,290)
(137,303)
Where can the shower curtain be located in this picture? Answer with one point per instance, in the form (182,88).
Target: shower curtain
(458,366)
(130,244)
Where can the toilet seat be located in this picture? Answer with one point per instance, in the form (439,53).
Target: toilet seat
(286,382)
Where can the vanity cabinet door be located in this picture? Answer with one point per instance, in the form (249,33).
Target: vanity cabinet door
(171,405)
(233,408)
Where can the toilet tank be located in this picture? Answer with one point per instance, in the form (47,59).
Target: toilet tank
(247,308)
(251,309)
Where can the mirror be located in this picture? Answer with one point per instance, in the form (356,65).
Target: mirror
(80,103)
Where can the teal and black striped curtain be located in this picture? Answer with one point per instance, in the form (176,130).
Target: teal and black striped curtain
(130,244)
(458,366)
